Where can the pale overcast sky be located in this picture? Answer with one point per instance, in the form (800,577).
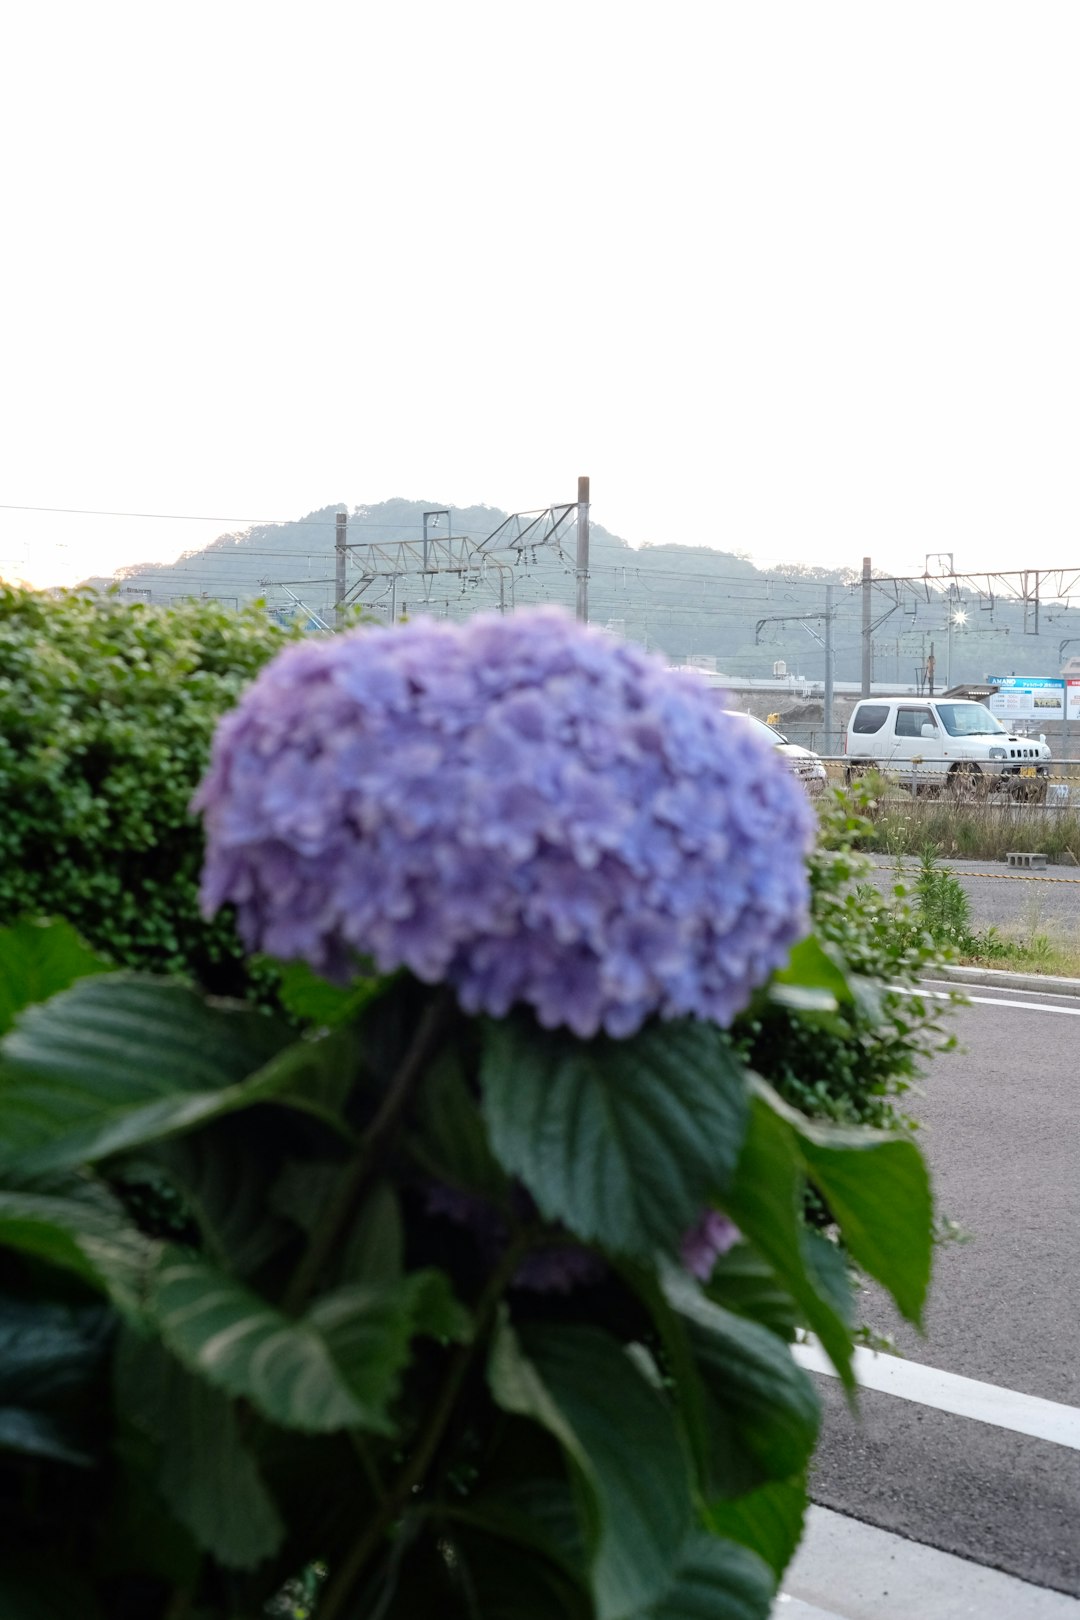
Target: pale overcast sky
(792,279)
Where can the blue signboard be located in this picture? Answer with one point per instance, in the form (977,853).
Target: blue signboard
(1027,697)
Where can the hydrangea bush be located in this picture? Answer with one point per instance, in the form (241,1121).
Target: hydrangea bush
(479,1299)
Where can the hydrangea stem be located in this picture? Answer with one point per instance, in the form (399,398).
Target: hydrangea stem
(343,1580)
(358,1173)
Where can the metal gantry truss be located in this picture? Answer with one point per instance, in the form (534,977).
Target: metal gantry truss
(1033,587)
(438,554)
(524,531)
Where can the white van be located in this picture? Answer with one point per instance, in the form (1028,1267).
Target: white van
(953,744)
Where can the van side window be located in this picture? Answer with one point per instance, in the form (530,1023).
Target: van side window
(909,722)
(869,717)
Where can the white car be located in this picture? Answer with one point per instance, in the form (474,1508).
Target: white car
(945,744)
(801,762)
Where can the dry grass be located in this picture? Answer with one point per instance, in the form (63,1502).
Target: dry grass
(981,832)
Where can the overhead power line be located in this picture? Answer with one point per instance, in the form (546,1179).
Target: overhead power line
(196,517)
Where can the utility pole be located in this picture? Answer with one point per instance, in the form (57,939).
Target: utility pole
(583,550)
(828,668)
(867,644)
(340,526)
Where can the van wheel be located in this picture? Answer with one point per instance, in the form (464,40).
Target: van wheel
(966,783)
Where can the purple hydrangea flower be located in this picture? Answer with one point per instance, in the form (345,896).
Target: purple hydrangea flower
(712,1236)
(521,807)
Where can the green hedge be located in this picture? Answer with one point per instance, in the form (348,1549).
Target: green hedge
(106,713)
(853,1066)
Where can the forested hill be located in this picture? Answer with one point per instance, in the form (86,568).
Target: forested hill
(684,599)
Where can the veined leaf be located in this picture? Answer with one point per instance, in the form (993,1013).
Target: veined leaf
(507,1582)
(316,1000)
(52,1357)
(48,1350)
(338,1367)
(536,1513)
(303,1189)
(38,1434)
(827,1264)
(744,1283)
(802,998)
(622,1141)
(763,1200)
(225,1177)
(77,1224)
(375,1247)
(716,1580)
(37,960)
(205,1473)
(450,1140)
(815,965)
(769,1521)
(118,1061)
(621,1439)
(762,1407)
(878,1189)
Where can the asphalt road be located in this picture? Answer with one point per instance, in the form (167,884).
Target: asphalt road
(1015,903)
(1002,1133)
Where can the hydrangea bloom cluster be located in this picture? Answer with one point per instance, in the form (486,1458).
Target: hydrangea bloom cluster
(702,1246)
(521,807)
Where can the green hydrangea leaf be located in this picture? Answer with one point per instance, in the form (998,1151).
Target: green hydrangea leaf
(769,1520)
(205,1472)
(622,1442)
(118,1061)
(760,1408)
(75,1223)
(37,960)
(337,1367)
(716,1580)
(764,1200)
(622,1141)
(877,1187)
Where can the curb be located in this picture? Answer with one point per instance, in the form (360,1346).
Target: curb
(1000,979)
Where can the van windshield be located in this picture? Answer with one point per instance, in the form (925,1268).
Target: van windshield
(969,720)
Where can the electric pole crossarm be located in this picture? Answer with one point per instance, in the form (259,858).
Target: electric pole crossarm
(782,618)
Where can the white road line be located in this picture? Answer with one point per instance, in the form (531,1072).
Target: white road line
(1025,1006)
(986,1001)
(949,1392)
